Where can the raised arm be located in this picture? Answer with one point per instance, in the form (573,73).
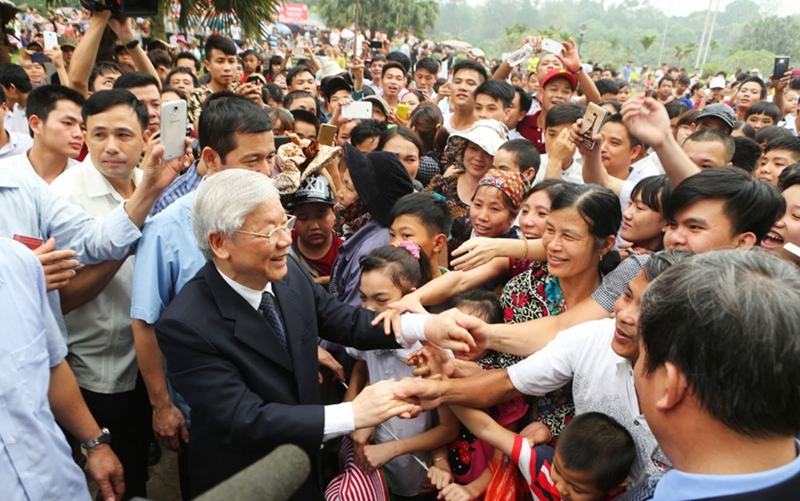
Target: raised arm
(571,60)
(80,67)
(593,170)
(122,27)
(647,119)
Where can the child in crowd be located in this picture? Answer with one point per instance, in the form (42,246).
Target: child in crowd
(561,160)
(467,458)
(518,155)
(314,243)
(643,221)
(387,273)
(590,462)
(495,204)
(762,114)
(422,218)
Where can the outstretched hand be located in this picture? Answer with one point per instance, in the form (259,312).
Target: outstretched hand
(647,119)
(380,402)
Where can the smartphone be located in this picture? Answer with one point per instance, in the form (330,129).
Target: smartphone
(327,133)
(592,121)
(50,40)
(173,128)
(281,140)
(781,67)
(375,44)
(792,248)
(359,110)
(39,57)
(551,46)
(402,111)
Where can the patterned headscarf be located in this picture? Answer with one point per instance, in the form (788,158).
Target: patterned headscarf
(510,183)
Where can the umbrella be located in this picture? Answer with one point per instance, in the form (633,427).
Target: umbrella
(478,52)
(456,44)
(266,29)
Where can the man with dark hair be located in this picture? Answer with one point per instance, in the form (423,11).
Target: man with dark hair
(102,77)
(187,60)
(300,100)
(682,84)
(306,124)
(161,62)
(763,114)
(493,100)
(718,347)
(393,84)
(220,62)
(402,59)
(425,75)
(182,78)
(664,90)
(147,90)
(375,71)
(366,135)
(54,113)
(608,89)
(779,154)
(234,133)
(17,86)
(519,109)
(709,148)
(101,350)
(11,143)
(467,76)
(302,78)
(751,91)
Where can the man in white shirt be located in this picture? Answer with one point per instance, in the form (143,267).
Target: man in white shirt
(11,143)
(467,76)
(98,298)
(17,86)
(56,123)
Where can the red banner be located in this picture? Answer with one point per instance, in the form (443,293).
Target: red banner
(288,12)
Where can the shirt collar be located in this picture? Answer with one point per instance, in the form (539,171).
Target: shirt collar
(98,186)
(252,296)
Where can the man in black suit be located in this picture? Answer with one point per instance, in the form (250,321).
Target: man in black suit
(240,339)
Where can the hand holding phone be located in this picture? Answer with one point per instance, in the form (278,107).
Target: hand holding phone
(592,121)
(780,68)
(551,46)
(50,40)
(402,111)
(173,129)
(358,109)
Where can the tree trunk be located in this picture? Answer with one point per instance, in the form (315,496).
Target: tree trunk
(157,29)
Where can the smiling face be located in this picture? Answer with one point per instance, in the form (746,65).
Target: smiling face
(251,260)
(392,83)
(476,161)
(463,89)
(569,245)
(787,228)
(533,216)
(556,91)
(641,225)
(377,291)
(616,152)
(489,212)
(115,140)
(772,164)
(626,312)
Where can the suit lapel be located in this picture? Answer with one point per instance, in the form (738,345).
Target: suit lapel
(249,326)
(295,322)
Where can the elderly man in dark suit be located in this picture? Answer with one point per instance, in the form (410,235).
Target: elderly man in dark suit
(240,340)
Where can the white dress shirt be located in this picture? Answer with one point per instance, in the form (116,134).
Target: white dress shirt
(573,174)
(100,339)
(602,381)
(16,120)
(17,144)
(339,418)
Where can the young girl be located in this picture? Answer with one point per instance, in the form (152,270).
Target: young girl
(643,220)
(467,457)
(386,274)
(495,204)
(471,153)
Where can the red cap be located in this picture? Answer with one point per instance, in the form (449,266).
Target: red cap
(559,73)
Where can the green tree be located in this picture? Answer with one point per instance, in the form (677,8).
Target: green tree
(772,34)
(548,32)
(381,15)
(647,41)
(614,43)
(223,13)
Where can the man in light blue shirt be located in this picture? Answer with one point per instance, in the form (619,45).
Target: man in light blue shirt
(33,214)
(35,460)
(718,378)
(234,133)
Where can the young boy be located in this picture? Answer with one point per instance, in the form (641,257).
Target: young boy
(314,244)
(518,155)
(493,99)
(762,114)
(425,220)
(562,161)
(590,462)
(306,124)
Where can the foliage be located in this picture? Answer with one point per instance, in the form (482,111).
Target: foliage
(223,13)
(388,16)
(772,34)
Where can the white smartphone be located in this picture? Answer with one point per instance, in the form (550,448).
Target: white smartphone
(792,248)
(173,128)
(551,46)
(50,40)
(359,110)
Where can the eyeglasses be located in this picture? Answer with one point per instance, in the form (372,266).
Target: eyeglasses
(273,236)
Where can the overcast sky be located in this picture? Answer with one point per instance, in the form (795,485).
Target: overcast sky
(682,7)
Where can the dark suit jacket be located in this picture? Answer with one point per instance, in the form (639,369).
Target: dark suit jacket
(246,394)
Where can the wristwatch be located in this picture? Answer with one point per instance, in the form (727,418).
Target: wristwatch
(132,44)
(578,71)
(105,438)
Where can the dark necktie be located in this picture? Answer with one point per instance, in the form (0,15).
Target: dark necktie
(267,309)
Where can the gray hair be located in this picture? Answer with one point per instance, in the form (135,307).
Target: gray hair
(730,322)
(223,202)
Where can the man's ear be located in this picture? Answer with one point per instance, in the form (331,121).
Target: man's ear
(635,152)
(439,242)
(529,174)
(211,158)
(218,244)
(745,241)
(692,127)
(35,123)
(676,388)
(506,114)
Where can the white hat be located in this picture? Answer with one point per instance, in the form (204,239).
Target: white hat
(330,69)
(488,134)
(717,83)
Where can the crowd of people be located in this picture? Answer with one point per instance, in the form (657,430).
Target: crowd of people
(464,286)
